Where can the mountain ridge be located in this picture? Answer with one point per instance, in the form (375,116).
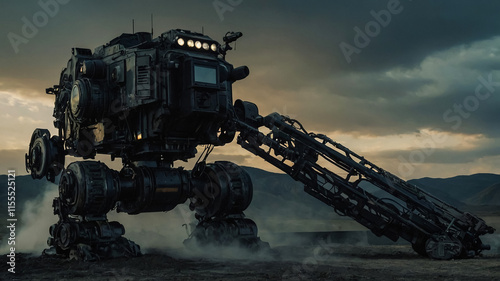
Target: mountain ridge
(475,189)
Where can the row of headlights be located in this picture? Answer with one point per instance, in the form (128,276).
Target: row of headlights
(197,44)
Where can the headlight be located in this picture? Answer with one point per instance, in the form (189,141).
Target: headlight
(87,101)
(198,44)
(75,99)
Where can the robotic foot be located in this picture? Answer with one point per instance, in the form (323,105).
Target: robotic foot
(90,241)
(234,230)
(222,191)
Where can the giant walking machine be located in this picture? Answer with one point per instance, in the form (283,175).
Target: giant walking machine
(151,102)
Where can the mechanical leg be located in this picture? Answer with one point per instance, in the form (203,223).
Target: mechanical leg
(88,190)
(223,191)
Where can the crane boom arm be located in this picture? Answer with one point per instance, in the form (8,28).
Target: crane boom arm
(382,202)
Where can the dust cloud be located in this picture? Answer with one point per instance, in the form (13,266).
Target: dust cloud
(149,230)
(154,232)
(165,231)
(157,231)
(494,241)
(36,218)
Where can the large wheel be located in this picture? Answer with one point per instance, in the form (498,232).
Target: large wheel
(45,156)
(223,188)
(443,247)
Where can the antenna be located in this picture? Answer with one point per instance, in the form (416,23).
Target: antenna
(133,27)
(202,30)
(151,25)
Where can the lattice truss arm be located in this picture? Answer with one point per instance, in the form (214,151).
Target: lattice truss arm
(355,187)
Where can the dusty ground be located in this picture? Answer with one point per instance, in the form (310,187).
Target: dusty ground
(314,262)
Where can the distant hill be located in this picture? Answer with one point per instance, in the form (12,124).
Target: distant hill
(278,195)
(437,191)
(26,189)
(465,189)
(488,196)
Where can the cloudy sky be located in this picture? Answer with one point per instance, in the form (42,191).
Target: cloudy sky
(414,86)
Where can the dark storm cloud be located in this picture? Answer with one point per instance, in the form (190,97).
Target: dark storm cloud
(386,117)
(392,113)
(317,28)
(422,28)
(360,97)
(78,23)
(293,36)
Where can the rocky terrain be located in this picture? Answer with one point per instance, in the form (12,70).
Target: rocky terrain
(307,262)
